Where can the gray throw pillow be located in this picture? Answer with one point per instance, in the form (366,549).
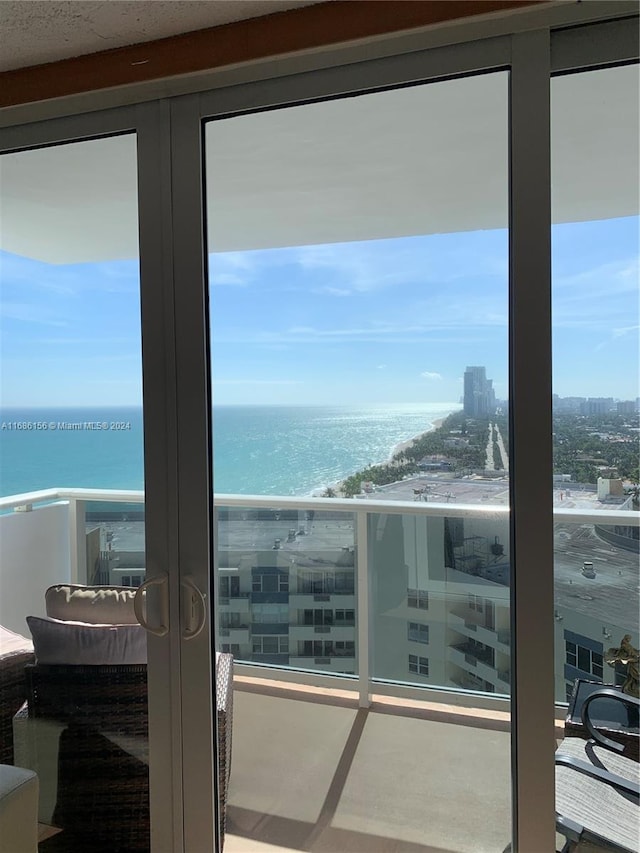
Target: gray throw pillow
(57,642)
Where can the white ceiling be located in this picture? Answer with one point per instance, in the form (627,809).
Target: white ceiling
(422,160)
(39,31)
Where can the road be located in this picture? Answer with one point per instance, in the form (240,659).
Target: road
(489,465)
(503,453)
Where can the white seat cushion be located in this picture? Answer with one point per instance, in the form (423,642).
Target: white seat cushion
(18,810)
(100,605)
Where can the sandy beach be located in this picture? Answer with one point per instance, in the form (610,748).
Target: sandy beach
(403,445)
(398,448)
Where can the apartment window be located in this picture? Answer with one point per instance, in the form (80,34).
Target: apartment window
(229,587)
(418,665)
(270,645)
(270,583)
(418,598)
(230,620)
(327,648)
(584,659)
(344,582)
(480,651)
(325,583)
(315,582)
(418,633)
(345,617)
(231,648)
(319,616)
(476,603)
(490,615)
(269,613)
(474,680)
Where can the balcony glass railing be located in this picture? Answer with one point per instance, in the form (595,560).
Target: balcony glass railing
(414,594)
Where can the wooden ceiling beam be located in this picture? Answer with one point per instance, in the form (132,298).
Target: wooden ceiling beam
(309,27)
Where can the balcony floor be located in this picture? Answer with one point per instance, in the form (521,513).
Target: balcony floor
(312,772)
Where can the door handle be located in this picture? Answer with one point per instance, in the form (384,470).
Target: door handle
(194,609)
(138,605)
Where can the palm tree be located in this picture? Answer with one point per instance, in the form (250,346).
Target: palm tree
(329,493)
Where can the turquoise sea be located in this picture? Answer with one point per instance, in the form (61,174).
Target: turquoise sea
(258,450)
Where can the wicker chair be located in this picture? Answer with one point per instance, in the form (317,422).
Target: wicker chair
(597,790)
(15,653)
(102,800)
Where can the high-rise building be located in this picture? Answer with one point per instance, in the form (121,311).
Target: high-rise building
(479,396)
(626,407)
(597,406)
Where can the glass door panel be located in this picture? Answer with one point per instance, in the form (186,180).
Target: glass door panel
(596,341)
(596,249)
(358,283)
(72,487)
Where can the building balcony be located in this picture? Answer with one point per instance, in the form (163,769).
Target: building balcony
(326,632)
(318,773)
(504,637)
(324,663)
(235,635)
(234,603)
(470,661)
(304,600)
(473,629)
(313,728)
(50,531)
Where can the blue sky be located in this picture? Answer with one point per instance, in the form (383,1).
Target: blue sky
(389,321)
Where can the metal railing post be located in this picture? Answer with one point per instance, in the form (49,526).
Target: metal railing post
(77,541)
(362,572)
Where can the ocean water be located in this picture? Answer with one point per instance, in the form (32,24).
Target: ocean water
(258,450)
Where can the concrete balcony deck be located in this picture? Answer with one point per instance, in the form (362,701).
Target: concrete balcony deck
(320,774)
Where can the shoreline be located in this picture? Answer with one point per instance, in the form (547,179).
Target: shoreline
(404,445)
(395,450)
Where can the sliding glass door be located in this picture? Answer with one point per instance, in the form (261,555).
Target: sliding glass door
(330,295)
(90,492)
(73,484)
(358,284)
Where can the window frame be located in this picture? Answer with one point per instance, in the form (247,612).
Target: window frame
(171,185)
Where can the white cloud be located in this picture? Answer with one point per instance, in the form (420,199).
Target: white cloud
(228,278)
(235,269)
(427,374)
(333,291)
(31,313)
(373,265)
(624,330)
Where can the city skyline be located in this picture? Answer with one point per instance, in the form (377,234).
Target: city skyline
(380,322)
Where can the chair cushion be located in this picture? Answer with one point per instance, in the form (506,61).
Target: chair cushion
(100,605)
(18,810)
(79,643)
(13,644)
(603,811)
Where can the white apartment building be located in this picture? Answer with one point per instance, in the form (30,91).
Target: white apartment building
(438,599)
